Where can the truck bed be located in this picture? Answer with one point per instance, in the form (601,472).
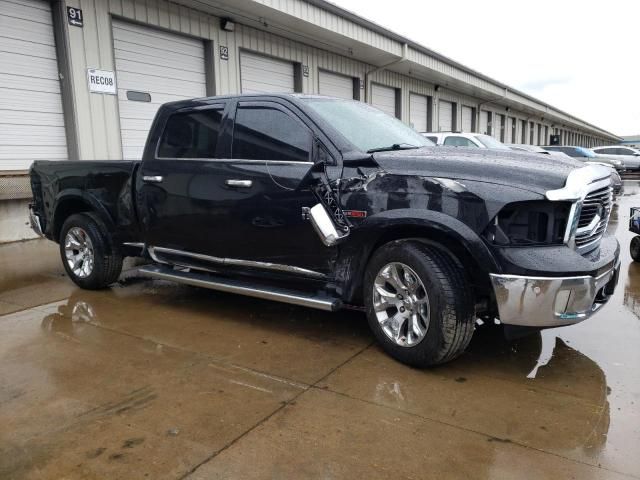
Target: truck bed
(106,186)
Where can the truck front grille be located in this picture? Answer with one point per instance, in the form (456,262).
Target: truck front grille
(594,218)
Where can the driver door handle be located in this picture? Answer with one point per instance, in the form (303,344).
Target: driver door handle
(238,183)
(152,178)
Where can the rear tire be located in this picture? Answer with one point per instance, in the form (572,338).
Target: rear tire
(88,253)
(429,322)
(634,248)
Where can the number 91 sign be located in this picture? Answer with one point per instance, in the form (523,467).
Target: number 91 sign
(74,15)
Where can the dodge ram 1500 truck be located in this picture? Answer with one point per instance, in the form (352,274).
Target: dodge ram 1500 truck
(330,203)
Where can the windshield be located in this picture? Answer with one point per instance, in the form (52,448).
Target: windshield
(491,142)
(366,127)
(586,152)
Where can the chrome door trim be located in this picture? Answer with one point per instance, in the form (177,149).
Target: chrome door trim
(237,160)
(154,251)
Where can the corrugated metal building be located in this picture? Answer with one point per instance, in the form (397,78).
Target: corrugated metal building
(160,51)
(631,140)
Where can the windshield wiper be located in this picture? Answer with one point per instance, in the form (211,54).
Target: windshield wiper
(395,146)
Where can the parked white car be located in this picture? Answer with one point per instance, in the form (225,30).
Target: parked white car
(472,140)
(630,156)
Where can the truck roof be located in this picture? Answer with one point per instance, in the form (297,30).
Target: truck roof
(288,96)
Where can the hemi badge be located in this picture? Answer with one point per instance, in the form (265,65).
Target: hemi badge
(355,213)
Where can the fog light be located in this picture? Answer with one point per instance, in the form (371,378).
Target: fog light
(562,301)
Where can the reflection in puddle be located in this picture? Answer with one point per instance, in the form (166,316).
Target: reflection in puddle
(546,353)
(574,410)
(389,390)
(632,289)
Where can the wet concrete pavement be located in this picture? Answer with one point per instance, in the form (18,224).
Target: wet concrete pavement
(155,380)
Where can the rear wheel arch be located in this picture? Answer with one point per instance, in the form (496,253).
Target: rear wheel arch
(72,204)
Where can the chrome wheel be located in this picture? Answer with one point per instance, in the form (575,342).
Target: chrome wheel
(401,304)
(79,252)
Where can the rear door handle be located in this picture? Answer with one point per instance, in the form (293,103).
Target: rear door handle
(152,178)
(238,183)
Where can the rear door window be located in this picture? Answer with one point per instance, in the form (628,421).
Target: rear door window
(263,132)
(192,134)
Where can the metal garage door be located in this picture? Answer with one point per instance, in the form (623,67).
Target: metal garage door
(484,122)
(418,111)
(260,74)
(467,119)
(164,65)
(384,98)
(31,119)
(445,116)
(335,85)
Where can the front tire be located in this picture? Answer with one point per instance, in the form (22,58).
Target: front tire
(87,251)
(419,303)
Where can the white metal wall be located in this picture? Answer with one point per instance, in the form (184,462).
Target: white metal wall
(384,98)
(167,66)
(96,116)
(335,85)
(484,122)
(509,132)
(31,116)
(418,112)
(467,119)
(496,131)
(445,116)
(262,74)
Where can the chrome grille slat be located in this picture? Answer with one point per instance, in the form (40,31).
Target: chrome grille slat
(597,202)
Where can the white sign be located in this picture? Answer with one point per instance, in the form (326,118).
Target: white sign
(101,81)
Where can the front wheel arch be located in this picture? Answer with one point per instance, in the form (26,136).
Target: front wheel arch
(477,264)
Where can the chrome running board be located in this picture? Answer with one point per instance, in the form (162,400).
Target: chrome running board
(242,287)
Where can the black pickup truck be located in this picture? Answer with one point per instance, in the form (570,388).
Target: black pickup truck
(331,204)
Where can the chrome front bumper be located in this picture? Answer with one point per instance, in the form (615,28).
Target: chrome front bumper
(35,222)
(550,301)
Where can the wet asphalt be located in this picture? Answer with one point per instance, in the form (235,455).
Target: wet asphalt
(154,380)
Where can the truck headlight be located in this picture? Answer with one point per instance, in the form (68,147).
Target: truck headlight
(530,223)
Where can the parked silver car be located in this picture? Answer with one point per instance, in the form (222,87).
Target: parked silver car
(630,156)
(522,147)
(587,155)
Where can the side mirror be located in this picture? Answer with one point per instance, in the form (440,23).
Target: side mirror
(324,226)
(355,160)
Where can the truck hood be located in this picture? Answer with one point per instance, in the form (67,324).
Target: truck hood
(530,171)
